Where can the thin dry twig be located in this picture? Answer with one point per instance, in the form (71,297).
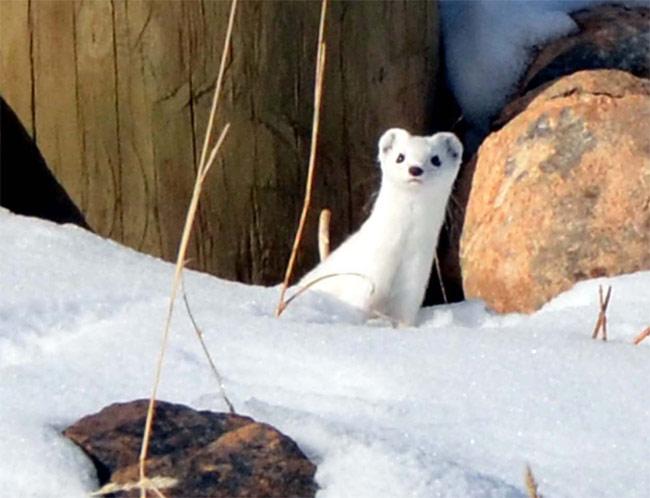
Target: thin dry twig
(154,484)
(531,483)
(310,284)
(642,336)
(180,263)
(460,119)
(199,335)
(324,233)
(440,281)
(601,323)
(203,168)
(219,84)
(318,91)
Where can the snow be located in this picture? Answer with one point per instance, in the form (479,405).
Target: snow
(489,43)
(453,408)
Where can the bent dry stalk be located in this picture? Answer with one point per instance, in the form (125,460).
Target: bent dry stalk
(318,92)
(203,168)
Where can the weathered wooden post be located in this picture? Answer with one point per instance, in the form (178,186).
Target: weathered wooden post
(117,94)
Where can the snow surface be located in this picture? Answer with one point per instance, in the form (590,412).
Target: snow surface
(453,408)
(488,45)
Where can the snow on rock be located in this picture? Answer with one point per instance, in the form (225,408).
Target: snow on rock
(452,408)
(489,43)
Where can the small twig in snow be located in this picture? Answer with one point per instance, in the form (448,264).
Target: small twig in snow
(154,484)
(642,336)
(531,483)
(601,323)
(199,335)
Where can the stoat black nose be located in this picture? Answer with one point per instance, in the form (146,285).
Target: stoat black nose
(415,171)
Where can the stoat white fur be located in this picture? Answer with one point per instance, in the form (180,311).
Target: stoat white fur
(383,268)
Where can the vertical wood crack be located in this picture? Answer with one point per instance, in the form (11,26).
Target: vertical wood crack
(85,174)
(118,211)
(32,76)
(344,117)
(200,230)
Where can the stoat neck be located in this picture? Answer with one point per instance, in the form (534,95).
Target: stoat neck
(397,203)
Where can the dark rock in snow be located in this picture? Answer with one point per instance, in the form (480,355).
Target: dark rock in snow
(193,454)
(608,37)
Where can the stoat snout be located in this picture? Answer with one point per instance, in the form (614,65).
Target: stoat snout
(415,171)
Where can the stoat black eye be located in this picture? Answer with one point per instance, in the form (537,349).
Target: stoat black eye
(400,158)
(435,160)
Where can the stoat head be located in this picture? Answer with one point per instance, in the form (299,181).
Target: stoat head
(416,162)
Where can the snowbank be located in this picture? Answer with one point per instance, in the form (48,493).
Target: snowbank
(453,408)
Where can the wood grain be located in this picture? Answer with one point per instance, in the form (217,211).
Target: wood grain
(117,94)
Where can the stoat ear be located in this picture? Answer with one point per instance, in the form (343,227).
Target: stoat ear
(388,139)
(452,146)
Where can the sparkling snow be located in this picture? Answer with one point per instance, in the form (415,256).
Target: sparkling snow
(453,408)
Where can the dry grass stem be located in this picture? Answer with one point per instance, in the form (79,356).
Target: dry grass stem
(219,84)
(453,203)
(325,277)
(154,484)
(213,155)
(642,336)
(601,322)
(324,233)
(458,121)
(318,91)
(440,281)
(202,170)
(180,263)
(199,335)
(531,484)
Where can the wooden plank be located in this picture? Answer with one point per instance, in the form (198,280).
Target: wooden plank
(123,90)
(138,209)
(96,103)
(58,130)
(155,123)
(15,60)
(253,197)
(381,71)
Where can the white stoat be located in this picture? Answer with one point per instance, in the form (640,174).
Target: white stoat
(383,268)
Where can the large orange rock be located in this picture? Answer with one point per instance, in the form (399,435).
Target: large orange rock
(561,193)
(607,37)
